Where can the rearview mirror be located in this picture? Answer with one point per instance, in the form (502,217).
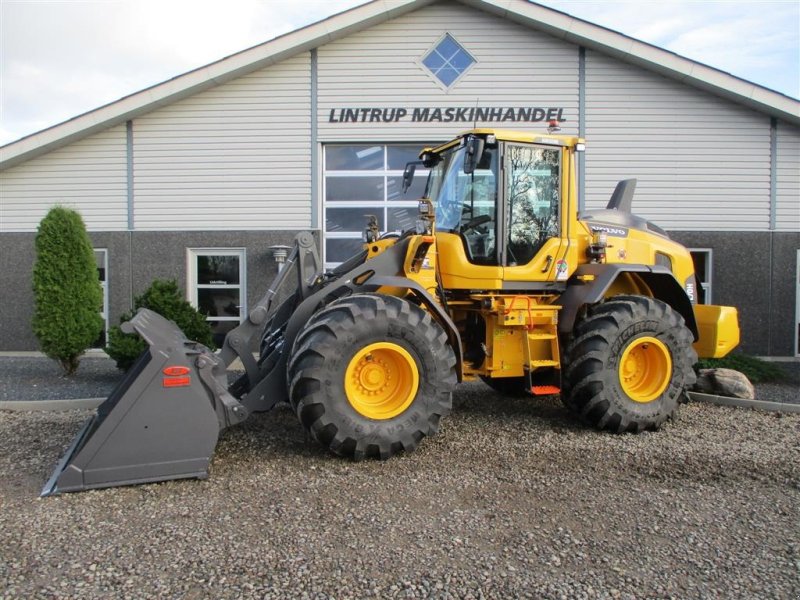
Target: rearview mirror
(474,154)
(408,174)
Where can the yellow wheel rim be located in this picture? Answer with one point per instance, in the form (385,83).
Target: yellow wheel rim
(381,380)
(645,369)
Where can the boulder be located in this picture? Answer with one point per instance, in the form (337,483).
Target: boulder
(724,382)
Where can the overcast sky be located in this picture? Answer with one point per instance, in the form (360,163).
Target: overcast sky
(60,58)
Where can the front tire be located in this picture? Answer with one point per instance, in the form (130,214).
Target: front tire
(371,375)
(629,364)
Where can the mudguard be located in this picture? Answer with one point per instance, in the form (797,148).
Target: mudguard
(589,283)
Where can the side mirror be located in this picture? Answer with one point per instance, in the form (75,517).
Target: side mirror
(474,154)
(408,175)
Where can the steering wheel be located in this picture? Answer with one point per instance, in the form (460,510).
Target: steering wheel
(476,222)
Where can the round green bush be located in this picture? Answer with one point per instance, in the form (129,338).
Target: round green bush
(163,297)
(67,292)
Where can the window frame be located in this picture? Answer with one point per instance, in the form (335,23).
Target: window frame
(707,285)
(420,62)
(504,208)
(104,286)
(192,255)
(797,306)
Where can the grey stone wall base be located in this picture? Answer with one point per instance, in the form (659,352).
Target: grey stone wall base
(755,272)
(741,403)
(135,259)
(52,405)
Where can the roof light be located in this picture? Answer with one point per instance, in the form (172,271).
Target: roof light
(580,147)
(553,126)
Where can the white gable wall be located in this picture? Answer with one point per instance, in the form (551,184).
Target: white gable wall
(787,204)
(88,175)
(381,68)
(702,163)
(237,156)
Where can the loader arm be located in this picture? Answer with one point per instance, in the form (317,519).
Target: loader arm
(300,276)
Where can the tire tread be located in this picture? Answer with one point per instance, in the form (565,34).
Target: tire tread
(326,335)
(584,383)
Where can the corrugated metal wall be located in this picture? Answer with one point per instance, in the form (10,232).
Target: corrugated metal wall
(381,68)
(703,163)
(88,175)
(787,211)
(237,156)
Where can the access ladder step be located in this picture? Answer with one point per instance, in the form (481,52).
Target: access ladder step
(544,363)
(545,390)
(541,336)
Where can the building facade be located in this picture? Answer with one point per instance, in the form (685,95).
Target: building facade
(198,178)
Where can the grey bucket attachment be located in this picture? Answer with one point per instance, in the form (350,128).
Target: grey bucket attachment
(162,420)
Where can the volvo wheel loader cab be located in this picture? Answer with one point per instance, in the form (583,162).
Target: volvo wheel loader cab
(501,280)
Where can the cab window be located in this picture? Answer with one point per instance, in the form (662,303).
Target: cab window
(466,204)
(533,196)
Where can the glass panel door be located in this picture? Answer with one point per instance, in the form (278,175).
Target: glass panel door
(366,179)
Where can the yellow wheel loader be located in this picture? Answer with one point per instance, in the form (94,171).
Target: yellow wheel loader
(501,280)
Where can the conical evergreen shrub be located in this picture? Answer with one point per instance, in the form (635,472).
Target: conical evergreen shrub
(67,292)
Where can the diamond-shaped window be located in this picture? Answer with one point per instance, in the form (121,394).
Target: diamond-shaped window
(448,60)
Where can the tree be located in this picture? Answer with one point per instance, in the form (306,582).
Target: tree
(66,289)
(163,297)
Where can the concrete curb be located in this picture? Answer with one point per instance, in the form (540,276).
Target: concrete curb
(742,403)
(51,405)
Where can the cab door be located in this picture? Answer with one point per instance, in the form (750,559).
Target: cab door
(531,248)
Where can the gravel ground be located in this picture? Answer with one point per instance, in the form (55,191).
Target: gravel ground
(512,499)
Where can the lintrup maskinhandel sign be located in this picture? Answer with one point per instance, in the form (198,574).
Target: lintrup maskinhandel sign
(452,114)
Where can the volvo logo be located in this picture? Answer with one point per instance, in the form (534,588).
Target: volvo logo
(610,230)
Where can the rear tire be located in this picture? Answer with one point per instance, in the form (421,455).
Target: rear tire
(628,364)
(371,375)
